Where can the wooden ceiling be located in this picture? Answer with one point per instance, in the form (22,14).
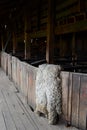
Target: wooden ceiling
(8,7)
(9,10)
(12,9)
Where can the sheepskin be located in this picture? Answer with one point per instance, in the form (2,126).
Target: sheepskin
(48,91)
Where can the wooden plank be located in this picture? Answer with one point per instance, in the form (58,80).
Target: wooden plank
(83,103)
(65,4)
(42,123)
(73,44)
(17,74)
(10,125)
(75,99)
(2,122)
(17,113)
(70,100)
(38,34)
(27,40)
(14,42)
(75,27)
(21,119)
(31,85)
(65,92)
(50,32)
(9,66)
(6,120)
(2,43)
(70,11)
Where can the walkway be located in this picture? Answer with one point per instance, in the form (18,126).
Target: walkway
(15,114)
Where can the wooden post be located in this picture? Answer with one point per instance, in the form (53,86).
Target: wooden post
(27,39)
(74,56)
(73,43)
(61,46)
(2,43)
(14,43)
(50,32)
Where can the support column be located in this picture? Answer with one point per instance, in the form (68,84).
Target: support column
(2,43)
(74,55)
(50,32)
(61,46)
(27,39)
(14,43)
(73,44)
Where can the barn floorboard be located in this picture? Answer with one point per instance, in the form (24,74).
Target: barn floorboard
(15,114)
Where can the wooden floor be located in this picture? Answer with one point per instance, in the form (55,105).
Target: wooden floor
(15,114)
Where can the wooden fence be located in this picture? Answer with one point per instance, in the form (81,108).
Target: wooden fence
(22,74)
(74,89)
(74,98)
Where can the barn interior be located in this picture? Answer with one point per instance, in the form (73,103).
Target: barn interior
(53,32)
(45,31)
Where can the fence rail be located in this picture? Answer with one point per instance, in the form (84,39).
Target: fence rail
(22,74)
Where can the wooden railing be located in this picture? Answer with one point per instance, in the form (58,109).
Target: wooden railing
(22,74)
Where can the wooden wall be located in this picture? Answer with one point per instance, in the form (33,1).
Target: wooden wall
(74,89)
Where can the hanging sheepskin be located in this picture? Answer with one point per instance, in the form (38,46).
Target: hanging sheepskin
(48,91)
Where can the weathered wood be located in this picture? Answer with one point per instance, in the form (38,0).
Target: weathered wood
(2,122)
(31,86)
(74,94)
(14,70)
(75,99)
(18,74)
(38,34)
(73,27)
(16,114)
(65,92)
(2,43)
(67,12)
(14,42)
(27,39)
(65,4)
(10,66)
(69,105)
(73,44)
(50,32)
(6,115)
(83,102)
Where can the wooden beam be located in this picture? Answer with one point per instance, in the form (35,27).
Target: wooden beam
(2,42)
(69,28)
(67,12)
(50,32)
(14,42)
(38,34)
(61,46)
(73,43)
(27,39)
(65,4)
(74,55)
